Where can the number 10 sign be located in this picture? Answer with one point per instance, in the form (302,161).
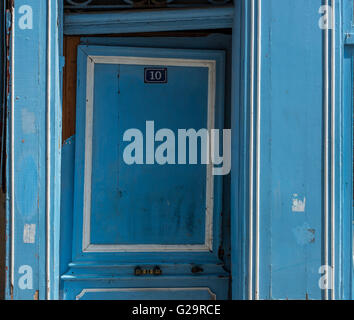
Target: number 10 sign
(155,75)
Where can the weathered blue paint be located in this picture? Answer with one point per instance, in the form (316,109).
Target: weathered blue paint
(291,150)
(28,116)
(146,294)
(281,66)
(346,247)
(239,122)
(345,76)
(291,242)
(54,142)
(128,4)
(31,110)
(67,202)
(216,41)
(115,92)
(181,202)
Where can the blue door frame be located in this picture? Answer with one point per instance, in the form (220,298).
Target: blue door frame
(277,210)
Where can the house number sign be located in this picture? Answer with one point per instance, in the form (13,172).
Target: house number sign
(155,75)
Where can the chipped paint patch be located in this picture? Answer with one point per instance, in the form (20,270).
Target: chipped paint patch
(304,234)
(28,121)
(29,233)
(298,205)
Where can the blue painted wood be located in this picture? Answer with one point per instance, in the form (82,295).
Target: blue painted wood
(346,10)
(291,151)
(170,199)
(8,262)
(67,202)
(289,91)
(147,294)
(29,156)
(129,4)
(2,89)
(238,184)
(55,129)
(213,41)
(118,95)
(349,38)
(344,158)
(345,245)
(148,21)
(126,119)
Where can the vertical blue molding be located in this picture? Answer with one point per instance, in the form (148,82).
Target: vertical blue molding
(8,289)
(27,114)
(60,62)
(55,141)
(245,98)
(2,84)
(32,55)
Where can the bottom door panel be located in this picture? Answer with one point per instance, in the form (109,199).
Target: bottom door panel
(150,288)
(146,294)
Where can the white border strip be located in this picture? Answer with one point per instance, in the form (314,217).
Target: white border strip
(86,242)
(12,150)
(84,291)
(251,157)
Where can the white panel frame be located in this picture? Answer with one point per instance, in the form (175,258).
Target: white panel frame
(87,246)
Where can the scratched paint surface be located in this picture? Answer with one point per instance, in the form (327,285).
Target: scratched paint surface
(70,289)
(291,151)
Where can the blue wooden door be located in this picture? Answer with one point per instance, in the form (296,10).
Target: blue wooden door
(147,204)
